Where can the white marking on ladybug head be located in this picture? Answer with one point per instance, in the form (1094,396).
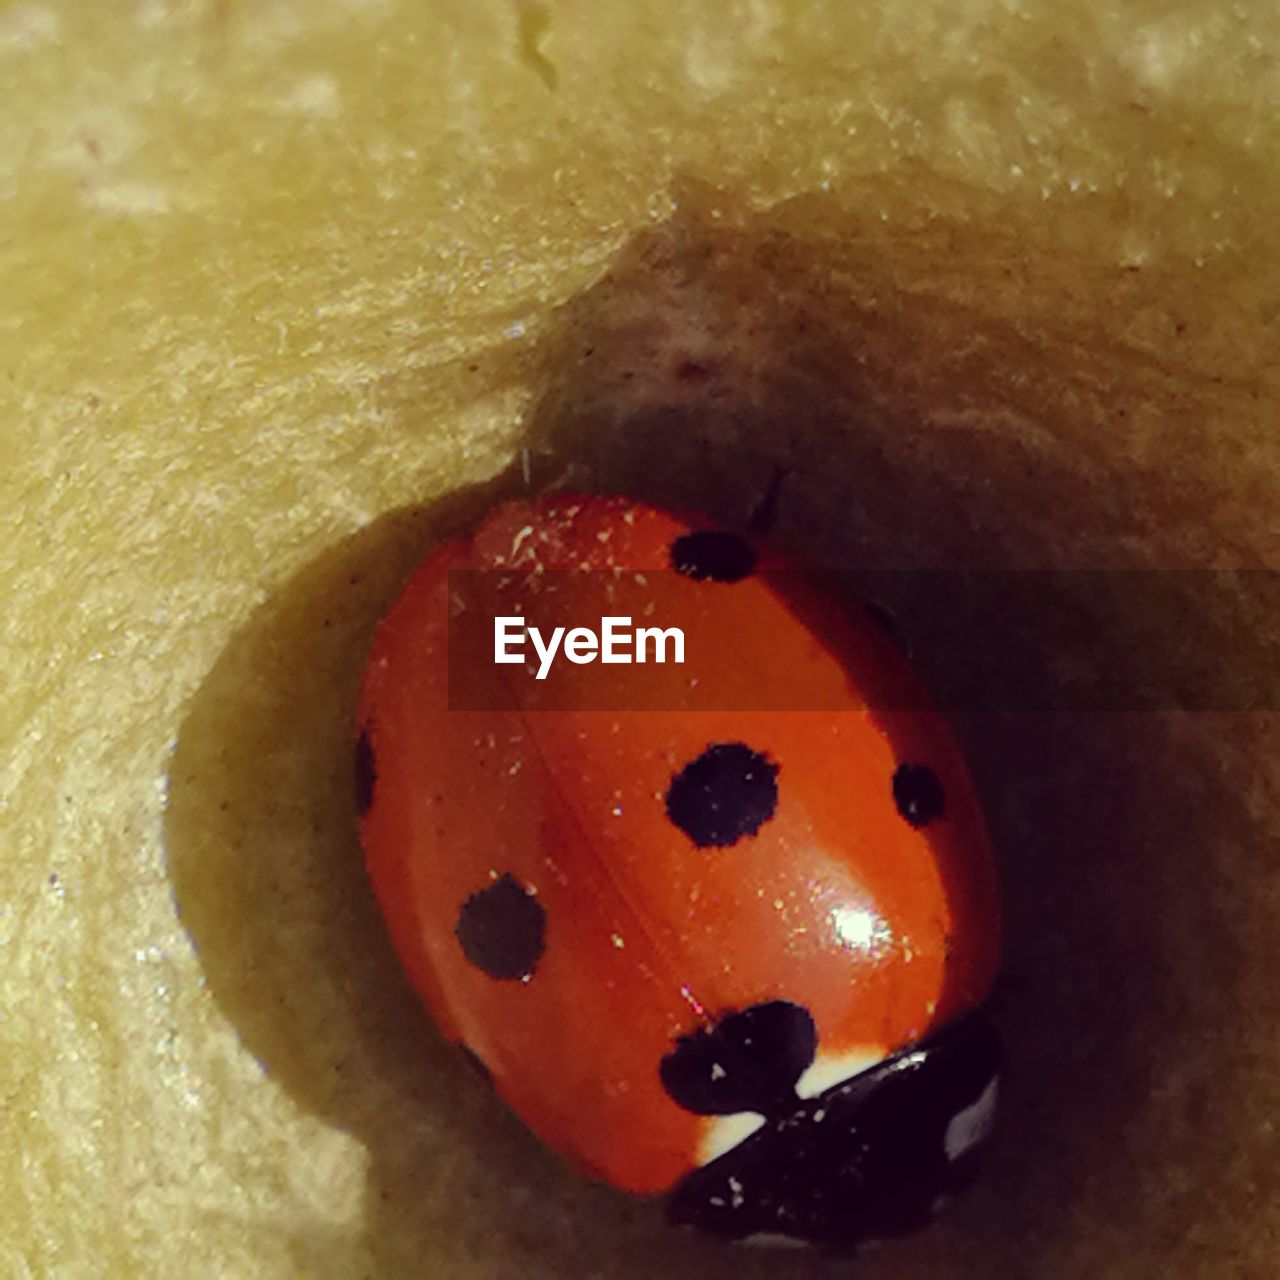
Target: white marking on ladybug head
(972,1124)
(835,1068)
(723,1133)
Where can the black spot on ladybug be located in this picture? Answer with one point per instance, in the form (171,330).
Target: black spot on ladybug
(918,794)
(366,774)
(711,555)
(728,792)
(869,1157)
(503,930)
(748,1061)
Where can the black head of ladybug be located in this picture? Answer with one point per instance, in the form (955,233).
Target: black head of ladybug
(872,1156)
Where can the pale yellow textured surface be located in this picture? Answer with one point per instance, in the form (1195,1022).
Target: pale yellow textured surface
(996,280)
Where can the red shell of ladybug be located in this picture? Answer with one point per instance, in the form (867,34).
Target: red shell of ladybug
(713,948)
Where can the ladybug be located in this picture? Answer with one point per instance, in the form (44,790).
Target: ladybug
(728,944)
